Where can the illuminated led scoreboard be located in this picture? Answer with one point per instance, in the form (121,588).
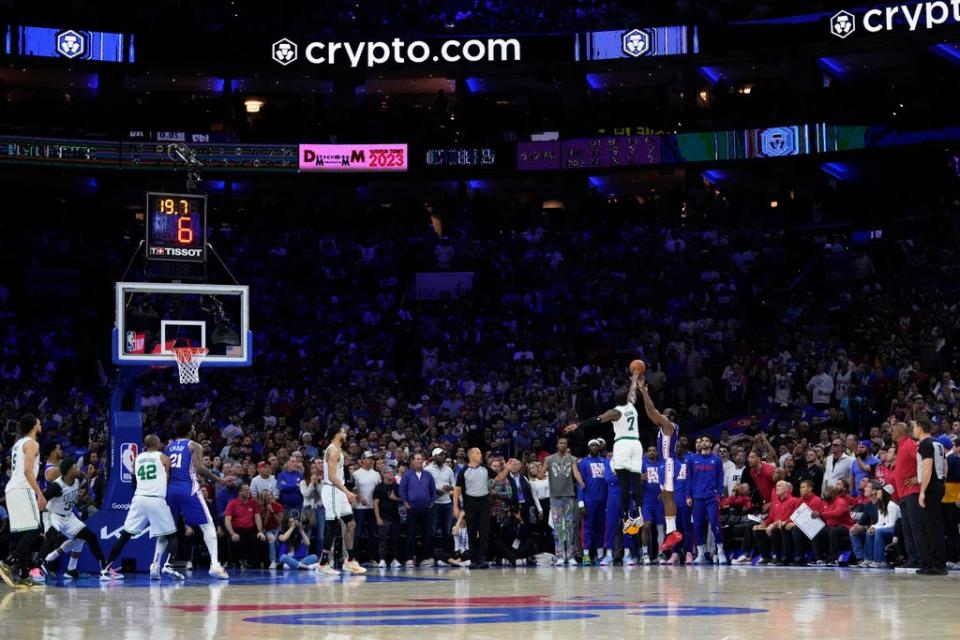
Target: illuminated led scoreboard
(176,227)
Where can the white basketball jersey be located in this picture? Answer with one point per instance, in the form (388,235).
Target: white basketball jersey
(326,470)
(626,426)
(18,477)
(63,504)
(151,475)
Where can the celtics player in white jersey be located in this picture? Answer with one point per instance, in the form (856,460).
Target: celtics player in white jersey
(337,503)
(25,502)
(63,525)
(148,509)
(627,460)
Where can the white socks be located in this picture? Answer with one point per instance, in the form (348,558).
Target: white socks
(160,549)
(671,524)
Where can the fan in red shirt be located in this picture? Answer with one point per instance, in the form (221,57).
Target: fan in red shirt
(837,522)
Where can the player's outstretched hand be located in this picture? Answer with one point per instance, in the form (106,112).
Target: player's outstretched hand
(570,428)
(642,386)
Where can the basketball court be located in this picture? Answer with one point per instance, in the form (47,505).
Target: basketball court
(535,603)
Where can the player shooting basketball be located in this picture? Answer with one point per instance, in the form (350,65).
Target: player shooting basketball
(667,437)
(627,460)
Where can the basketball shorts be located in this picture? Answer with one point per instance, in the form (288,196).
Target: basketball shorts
(23,509)
(667,473)
(191,506)
(152,512)
(652,509)
(69,525)
(335,502)
(627,454)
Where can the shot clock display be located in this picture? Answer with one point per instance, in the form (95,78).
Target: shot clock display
(176,227)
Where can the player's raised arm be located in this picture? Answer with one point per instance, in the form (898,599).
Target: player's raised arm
(610,415)
(655,416)
(632,394)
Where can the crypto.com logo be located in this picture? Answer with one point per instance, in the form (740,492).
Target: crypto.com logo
(842,24)
(922,15)
(284,51)
(636,43)
(71,44)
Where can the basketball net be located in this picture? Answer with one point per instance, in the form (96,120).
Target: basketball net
(189,360)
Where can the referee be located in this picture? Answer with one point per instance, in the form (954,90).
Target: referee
(473,484)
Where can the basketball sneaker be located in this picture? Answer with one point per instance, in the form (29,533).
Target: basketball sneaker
(411,564)
(720,558)
(628,559)
(154,571)
(608,560)
(71,574)
(6,573)
(699,559)
(109,574)
(168,570)
(327,570)
(352,566)
(689,558)
(572,562)
(382,564)
(218,572)
(442,563)
(28,583)
(560,562)
(37,576)
(396,564)
(646,560)
(426,562)
(673,559)
(671,541)
(632,526)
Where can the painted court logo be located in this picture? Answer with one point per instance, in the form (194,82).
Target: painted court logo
(923,15)
(460,611)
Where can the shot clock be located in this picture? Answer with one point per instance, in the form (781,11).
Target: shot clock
(176,227)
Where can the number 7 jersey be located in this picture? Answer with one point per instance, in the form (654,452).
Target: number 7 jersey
(151,475)
(625,428)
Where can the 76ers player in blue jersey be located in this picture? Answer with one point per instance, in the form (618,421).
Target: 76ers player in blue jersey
(183,491)
(667,437)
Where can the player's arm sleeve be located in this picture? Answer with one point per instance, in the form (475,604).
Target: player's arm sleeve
(53,490)
(719,479)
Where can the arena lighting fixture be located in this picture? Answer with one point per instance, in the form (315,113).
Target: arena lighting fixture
(774,204)
(252,105)
(746,89)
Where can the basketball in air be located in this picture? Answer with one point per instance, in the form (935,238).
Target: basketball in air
(638,367)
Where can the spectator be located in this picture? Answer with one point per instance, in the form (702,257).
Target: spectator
(313,516)
(820,387)
(244,525)
(770,535)
(839,466)
(366,480)
(386,508)
(562,473)
(288,487)
(881,533)
(293,547)
(271,513)
(761,473)
(441,518)
(264,481)
(951,505)
(837,522)
(864,465)
(418,492)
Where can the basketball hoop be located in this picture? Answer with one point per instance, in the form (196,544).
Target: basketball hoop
(189,360)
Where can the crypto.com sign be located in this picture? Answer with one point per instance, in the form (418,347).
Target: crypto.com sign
(926,15)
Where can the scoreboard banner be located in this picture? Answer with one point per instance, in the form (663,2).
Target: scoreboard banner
(353,157)
(235,157)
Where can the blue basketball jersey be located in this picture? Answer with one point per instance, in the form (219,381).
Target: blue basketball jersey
(42,480)
(182,476)
(667,446)
(651,485)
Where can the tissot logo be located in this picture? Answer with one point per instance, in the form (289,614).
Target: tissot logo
(284,51)
(925,15)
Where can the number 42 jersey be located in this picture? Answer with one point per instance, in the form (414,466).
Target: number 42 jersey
(151,475)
